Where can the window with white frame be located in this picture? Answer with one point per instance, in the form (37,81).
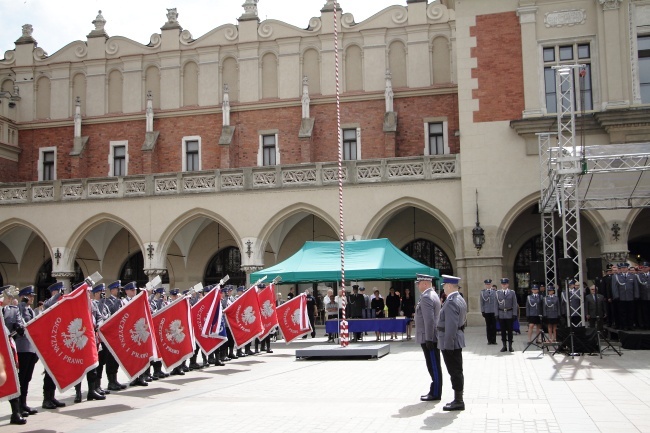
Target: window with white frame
(643,47)
(47,163)
(269,152)
(568,54)
(436,140)
(191,153)
(351,143)
(118,159)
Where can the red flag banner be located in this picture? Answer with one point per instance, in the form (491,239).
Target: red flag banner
(244,318)
(174,333)
(128,335)
(211,324)
(199,316)
(64,338)
(293,319)
(10,388)
(266,299)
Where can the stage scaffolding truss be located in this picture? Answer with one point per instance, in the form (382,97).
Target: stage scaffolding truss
(576,177)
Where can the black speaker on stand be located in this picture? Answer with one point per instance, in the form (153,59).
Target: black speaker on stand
(566,269)
(594,268)
(537,273)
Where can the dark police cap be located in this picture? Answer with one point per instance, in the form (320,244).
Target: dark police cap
(58,286)
(25,291)
(131,286)
(99,288)
(115,285)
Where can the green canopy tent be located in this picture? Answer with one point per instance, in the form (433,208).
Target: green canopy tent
(365,260)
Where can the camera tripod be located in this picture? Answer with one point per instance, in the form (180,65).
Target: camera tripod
(601,337)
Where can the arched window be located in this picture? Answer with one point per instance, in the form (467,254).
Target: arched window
(230,76)
(397,63)
(133,270)
(115,92)
(531,251)
(190,84)
(44,279)
(311,68)
(225,262)
(269,76)
(43,95)
(353,69)
(428,253)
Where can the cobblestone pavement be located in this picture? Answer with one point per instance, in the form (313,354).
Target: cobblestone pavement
(504,392)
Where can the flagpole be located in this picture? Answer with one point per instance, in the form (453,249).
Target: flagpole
(343,324)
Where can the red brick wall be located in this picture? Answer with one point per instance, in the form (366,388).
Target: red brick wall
(8,171)
(166,157)
(499,67)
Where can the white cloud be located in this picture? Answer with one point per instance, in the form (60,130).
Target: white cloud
(57,23)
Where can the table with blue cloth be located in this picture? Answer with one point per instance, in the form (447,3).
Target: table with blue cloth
(384,326)
(515,326)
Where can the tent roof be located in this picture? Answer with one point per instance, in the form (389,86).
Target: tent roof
(365,260)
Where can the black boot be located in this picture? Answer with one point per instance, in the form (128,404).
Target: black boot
(56,402)
(98,387)
(510,347)
(94,395)
(26,410)
(457,404)
(113,384)
(504,348)
(77,393)
(16,417)
(47,401)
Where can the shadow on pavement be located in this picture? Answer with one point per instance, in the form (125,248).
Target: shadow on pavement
(439,420)
(146,392)
(251,362)
(91,412)
(225,371)
(414,410)
(185,381)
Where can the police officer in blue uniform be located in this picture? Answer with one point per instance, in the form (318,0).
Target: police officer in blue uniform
(114,303)
(427,313)
(49,387)
(489,310)
(451,339)
(625,289)
(508,311)
(534,311)
(102,314)
(27,357)
(13,322)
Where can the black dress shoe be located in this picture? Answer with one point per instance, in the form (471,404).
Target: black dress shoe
(17,419)
(48,404)
(269,351)
(58,403)
(454,405)
(94,395)
(219,364)
(429,397)
(29,410)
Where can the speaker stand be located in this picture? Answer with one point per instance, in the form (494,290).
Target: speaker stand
(541,336)
(569,338)
(609,345)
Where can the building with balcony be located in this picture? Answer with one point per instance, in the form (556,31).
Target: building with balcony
(193,157)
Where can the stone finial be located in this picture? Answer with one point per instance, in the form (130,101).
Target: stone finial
(226,106)
(26,38)
(329,6)
(27,30)
(305,97)
(172,20)
(250,10)
(99,22)
(388,93)
(610,4)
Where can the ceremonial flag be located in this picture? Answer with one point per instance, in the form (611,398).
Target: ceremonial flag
(64,339)
(266,299)
(199,316)
(128,335)
(244,318)
(213,320)
(174,333)
(10,389)
(293,319)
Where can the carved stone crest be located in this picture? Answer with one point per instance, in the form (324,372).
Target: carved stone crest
(565,18)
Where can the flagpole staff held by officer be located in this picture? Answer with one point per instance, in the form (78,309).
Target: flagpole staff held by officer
(451,338)
(427,313)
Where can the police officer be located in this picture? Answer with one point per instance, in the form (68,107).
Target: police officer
(49,387)
(551,309)
(625,289)
(574,303)
(27,357)
(427,313)
(451,338)
(356,305)
(14,323)
(643,282)
(114,303)
(130,292)
(508,311)
(489,309)
(311,311)
(534,311)
(101,313)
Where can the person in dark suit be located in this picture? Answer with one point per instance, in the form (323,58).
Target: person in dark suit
(408,309)
(356,306)
(596,308)
(451,339)
(427,313)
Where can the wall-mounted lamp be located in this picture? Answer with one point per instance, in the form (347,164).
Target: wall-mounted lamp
(478,234)
(57,255)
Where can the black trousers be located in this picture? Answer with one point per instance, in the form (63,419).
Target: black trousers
(627,312)
(26,363)
(432,358)
(101,357)
(311,322)
(454,362)
(490,327)
(111,363)
(506,329)
(48,384)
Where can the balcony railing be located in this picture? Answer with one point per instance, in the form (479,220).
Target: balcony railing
(241,179)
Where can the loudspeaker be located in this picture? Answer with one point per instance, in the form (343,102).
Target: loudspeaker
(537,272)
(585,340)
(594,268)
(566,269)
